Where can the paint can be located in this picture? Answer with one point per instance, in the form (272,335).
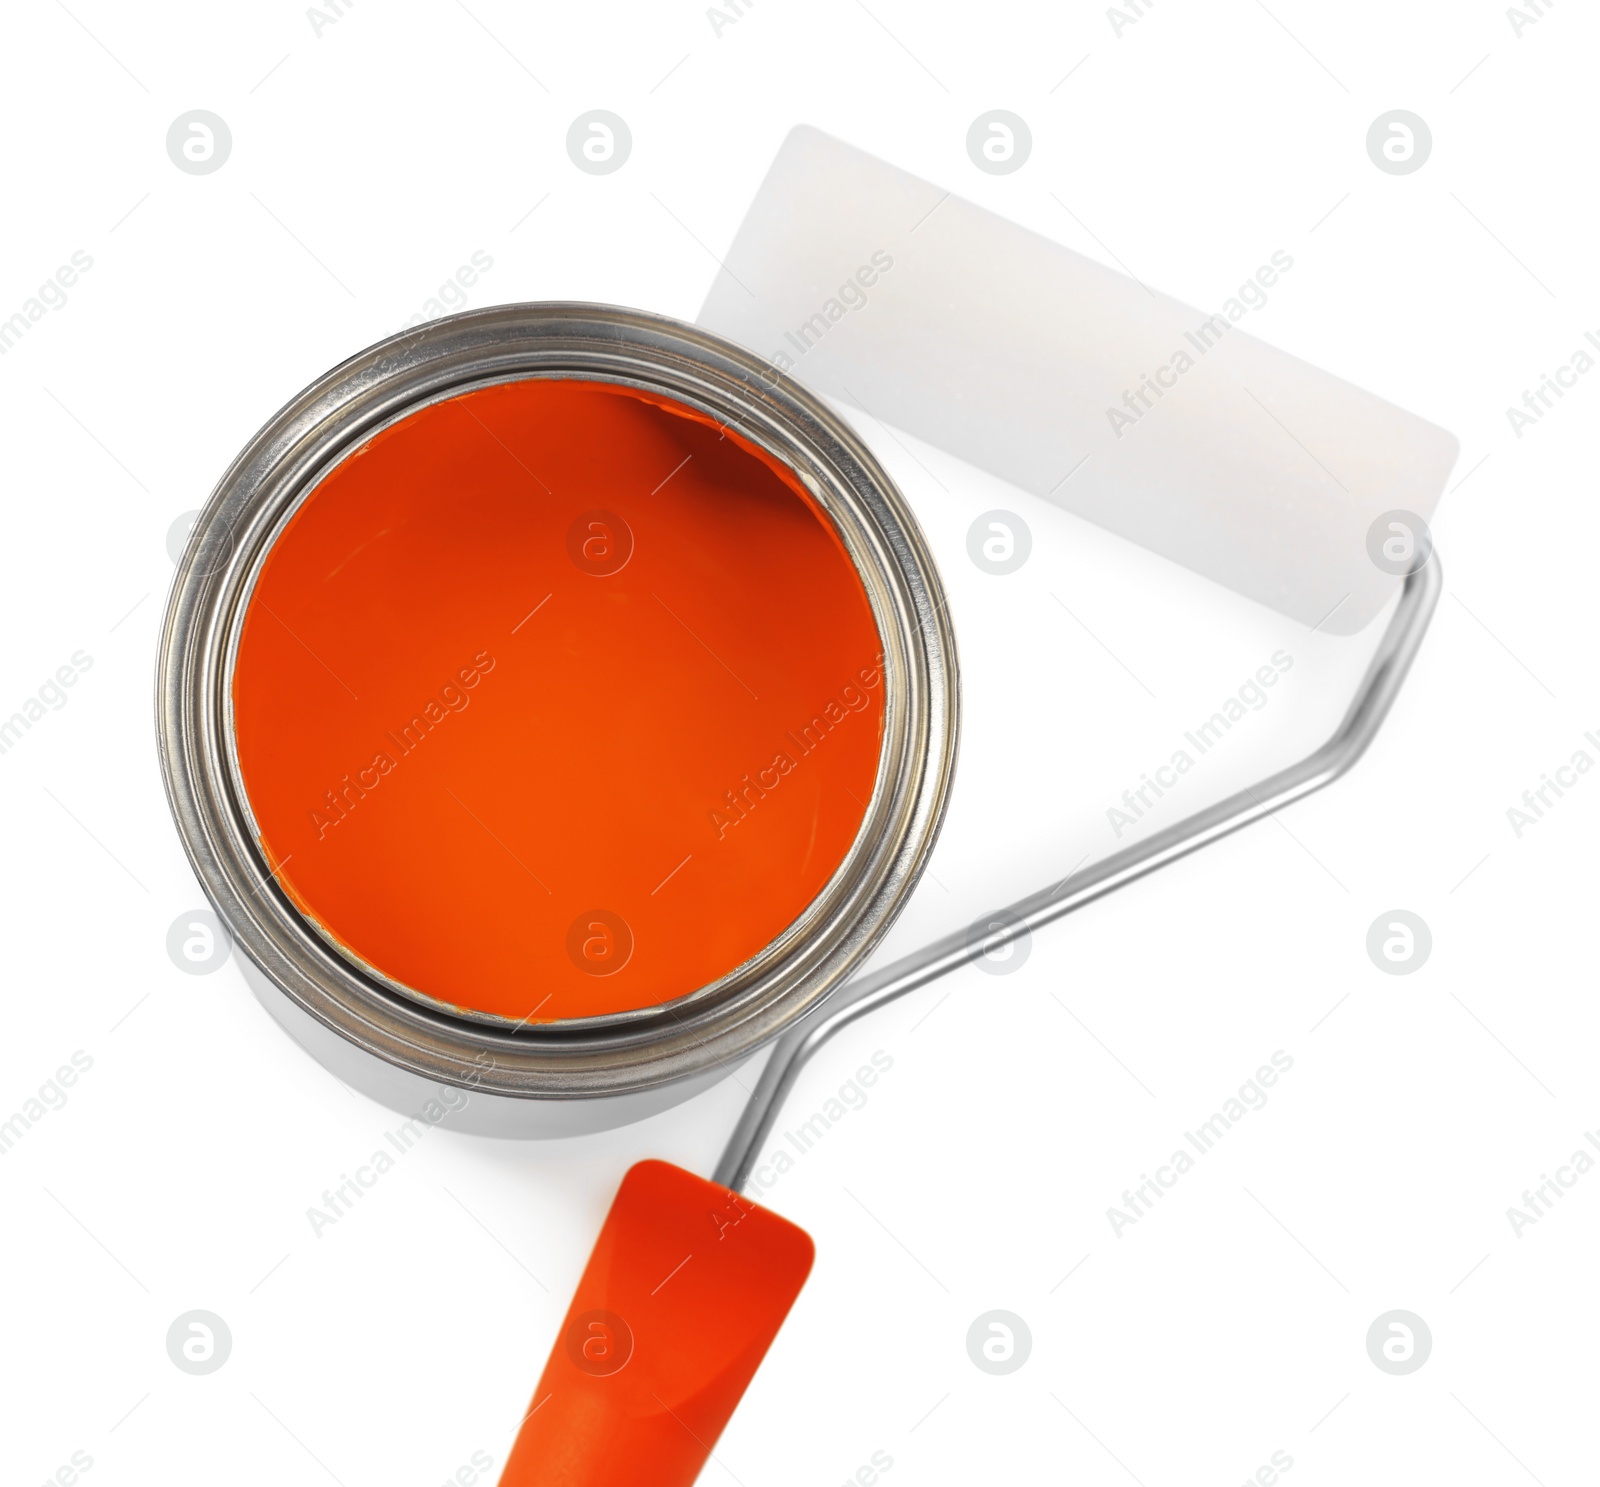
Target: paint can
(562,1076)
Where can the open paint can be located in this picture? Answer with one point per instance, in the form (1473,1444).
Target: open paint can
(556,705)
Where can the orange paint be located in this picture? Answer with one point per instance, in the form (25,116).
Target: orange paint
(555,699)
(685,1291)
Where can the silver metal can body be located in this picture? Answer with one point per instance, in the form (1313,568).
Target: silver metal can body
(564,1077)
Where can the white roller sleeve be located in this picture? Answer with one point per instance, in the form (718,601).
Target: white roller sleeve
(1075,382)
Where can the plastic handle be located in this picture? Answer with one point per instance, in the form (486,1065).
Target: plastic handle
(683,1295)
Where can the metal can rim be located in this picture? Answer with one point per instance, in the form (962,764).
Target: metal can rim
(716,1025)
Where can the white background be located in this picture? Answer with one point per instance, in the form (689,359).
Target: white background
(369,162)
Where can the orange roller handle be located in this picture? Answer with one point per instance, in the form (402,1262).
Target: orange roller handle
(687,1287)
